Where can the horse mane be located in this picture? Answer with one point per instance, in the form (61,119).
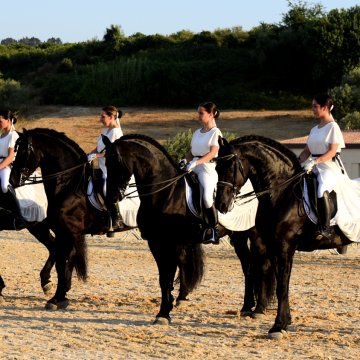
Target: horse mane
(151,141)
(62,137)
(270,142)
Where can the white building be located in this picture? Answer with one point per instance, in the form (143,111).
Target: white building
(350,156)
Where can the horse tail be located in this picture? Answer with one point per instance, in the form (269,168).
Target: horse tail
(81,258)
(192,266)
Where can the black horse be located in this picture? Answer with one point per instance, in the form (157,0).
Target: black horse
(166,207)
(41,232)
(280,220)
(70,214)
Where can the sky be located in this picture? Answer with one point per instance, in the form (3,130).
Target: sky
(81,20)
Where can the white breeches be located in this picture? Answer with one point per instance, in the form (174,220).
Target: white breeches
(326,180)
(4,177)
(208,180)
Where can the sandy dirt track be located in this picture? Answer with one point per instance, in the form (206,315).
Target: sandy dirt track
(109,317)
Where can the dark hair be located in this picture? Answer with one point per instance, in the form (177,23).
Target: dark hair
(7,114)
(210,108)
(325,100)
(112,110)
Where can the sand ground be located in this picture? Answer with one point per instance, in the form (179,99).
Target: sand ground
(110,316)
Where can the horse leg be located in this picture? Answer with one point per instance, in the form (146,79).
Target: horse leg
(42,233)
(166,260)
(2,285)
(283,318)
(264,277)
(59,300)
(240,241)
(69,269)
(183,291)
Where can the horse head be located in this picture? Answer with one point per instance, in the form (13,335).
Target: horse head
(233,172)
(26,162)
(118,172)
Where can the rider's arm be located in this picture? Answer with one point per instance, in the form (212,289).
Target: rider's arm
(329,155)
(209,156)
(189,157)
(98,155)
(7,161)
(304,154)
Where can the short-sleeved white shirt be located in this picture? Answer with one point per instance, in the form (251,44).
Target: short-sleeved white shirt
(6,143)
(113,135)
(319,139)
(201,142)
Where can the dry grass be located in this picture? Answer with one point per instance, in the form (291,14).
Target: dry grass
(82,123)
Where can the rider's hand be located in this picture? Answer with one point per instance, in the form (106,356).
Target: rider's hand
(191,166)
(91,157)
(308,167)
(182,163)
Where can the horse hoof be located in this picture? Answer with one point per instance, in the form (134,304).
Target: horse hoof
(63,304)
(258,316)
(182,303)
(246,313)
(47,288)
(161,321)
(277,336)
(50,306)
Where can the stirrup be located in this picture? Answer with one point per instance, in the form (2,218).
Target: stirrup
(322,234)
(212,239)
(21,224)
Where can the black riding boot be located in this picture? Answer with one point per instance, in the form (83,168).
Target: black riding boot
(13,205)
(323,232)
(117,220)
(211,235)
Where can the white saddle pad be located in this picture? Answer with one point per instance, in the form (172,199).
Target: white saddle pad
(128,207)
(33,202)
(308,209)
(240,218)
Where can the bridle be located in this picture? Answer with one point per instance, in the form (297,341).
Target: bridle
(23,168)
(238,166)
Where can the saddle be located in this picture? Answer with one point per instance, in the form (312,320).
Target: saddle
(312,185)
(197,194)
(97,186)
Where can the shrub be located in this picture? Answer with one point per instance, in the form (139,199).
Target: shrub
(12,94)
(351,121)
(179,146)
(65,66)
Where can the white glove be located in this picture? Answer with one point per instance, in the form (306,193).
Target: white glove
(182,163)
(191,165)
(308,167)
(91,157)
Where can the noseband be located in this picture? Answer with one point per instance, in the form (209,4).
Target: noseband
(238,165)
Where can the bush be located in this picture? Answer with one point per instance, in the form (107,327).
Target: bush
(179,146)
(351,121)
(12,94)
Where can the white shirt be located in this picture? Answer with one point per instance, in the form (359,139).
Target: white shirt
(320,139)
(6,143)
(201,142)
(113,135)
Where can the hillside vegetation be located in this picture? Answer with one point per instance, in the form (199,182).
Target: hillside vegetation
(272,66)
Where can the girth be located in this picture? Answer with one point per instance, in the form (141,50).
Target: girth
(335,158)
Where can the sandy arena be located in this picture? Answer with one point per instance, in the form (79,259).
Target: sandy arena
(110,316)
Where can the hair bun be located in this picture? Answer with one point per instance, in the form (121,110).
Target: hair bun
(119,113)
(217,114)
(14,120)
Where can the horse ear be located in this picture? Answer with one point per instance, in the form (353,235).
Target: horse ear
(105,140)
(224,142)
(25,132)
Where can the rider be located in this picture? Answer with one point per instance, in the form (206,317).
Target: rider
(205,147)
(109,117)
(7,155)
(324,145)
